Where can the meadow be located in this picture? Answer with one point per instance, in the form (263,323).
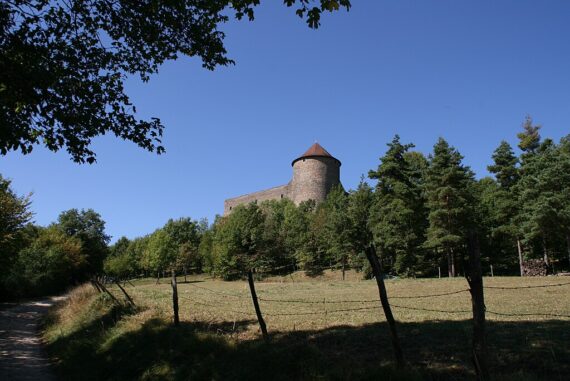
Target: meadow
(320,328)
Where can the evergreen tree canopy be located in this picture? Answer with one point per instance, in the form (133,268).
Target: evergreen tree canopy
(504,165)
(397,216)
(529,138)
(449,200)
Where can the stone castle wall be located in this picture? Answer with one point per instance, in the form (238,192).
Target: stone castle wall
(314,175)
(275,193)
(313,178)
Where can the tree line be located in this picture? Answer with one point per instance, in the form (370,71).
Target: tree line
(417,212)
(420,211)
(36,260)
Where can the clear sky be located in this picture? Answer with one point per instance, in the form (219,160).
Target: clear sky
(466,70)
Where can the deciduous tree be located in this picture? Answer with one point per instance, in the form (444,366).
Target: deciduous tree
(63,64)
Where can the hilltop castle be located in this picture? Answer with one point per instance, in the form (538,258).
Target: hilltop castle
(314,174)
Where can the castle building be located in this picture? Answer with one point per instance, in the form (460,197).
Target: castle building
(315,173)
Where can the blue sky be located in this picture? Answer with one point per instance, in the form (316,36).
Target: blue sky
(466,70)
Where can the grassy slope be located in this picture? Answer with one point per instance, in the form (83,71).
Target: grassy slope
(218,339)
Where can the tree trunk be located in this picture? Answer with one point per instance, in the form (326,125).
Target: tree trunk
(256,306)
(185,274)
(449,273)
(343,266)
(568,247)
(378,275)
(475,280)
(545,251)
(157,277)
(521,265)
(452,262)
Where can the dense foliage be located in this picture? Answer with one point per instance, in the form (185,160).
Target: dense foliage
(417,216)
(63,64)
(40,261)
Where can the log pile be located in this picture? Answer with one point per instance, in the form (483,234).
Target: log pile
(535,267)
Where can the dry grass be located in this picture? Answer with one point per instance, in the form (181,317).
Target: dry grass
(317,339)
(323,303)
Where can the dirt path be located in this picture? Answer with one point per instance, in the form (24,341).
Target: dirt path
(21,353)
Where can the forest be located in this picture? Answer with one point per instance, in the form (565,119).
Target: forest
(416,211)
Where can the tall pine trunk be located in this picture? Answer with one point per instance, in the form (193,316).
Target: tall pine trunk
(568,247)
(521,265)
(545,251)
(379,276)
(449,268)
(453,272)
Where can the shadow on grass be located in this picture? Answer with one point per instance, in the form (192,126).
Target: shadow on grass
(437,350)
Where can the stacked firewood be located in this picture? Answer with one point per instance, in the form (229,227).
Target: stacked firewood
(535,267)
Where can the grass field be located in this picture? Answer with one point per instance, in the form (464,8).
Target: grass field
(321,328)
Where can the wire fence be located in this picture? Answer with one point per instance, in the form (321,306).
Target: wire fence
(267,303)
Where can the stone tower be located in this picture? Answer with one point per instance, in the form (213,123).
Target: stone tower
(314,174)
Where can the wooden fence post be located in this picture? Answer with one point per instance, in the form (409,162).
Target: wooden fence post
(256,306)
(475,280)
(107,292)
(131,302)
(175,299)
(95,286)
(378,274)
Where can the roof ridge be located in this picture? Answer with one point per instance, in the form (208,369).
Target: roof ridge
(316,150)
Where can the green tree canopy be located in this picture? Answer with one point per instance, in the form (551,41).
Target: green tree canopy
(529,138)
(337,227)
(14,214)
(52,262)
(504,165)
(449,200)
(89,228)
(63,65)
(398,215)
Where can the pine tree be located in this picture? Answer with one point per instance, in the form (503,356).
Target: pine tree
(397,216)
(337,227)
(505,165)
(503,211)
(450,202)
(564,168)
(545,198)
(529,138)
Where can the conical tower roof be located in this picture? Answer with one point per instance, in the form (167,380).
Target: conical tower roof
(316,150)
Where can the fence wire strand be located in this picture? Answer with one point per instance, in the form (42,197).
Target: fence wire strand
(340,310)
